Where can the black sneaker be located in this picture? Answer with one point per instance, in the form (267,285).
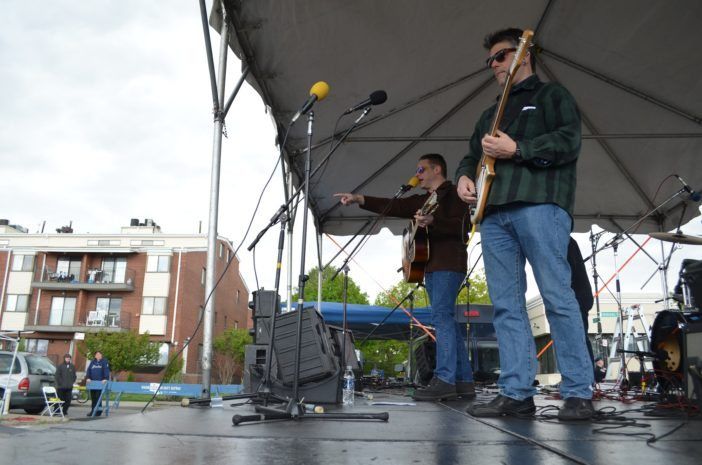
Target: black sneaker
(465,389)
(575,409)
(436,390)
(502,406)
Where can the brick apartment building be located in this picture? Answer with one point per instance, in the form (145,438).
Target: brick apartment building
(56,288)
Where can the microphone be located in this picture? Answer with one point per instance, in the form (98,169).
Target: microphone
(375,98)
(694,196)
(319,91)
(411,183)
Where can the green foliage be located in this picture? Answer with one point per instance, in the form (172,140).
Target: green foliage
(398,292)
(232,343)
(332,291)
(384,355)
(125,351)
(478,290)
(229,348)
(174,370)
(478,293)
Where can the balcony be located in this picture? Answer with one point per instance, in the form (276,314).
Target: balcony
(95,280)
(96,321)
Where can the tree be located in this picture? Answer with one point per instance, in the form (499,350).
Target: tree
(230,347)
(478,293)
(124,351)
(384,355)
(332,290)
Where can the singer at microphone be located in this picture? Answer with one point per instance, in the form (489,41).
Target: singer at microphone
(443,270)
(319,91)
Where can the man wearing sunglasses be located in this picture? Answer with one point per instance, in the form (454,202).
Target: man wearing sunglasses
(444,272)
(528,217)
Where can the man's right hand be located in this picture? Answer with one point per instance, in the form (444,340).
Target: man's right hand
(347,198)
(466,190)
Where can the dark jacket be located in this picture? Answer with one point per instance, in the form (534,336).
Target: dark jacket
(98,370)
(65,376)
(448,232)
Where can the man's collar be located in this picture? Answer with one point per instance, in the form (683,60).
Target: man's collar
(527,84)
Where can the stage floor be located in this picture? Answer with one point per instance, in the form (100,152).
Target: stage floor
(426,433)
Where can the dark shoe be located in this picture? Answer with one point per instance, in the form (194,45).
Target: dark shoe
(465,389)
(575,409)
(502,406)
(436,390)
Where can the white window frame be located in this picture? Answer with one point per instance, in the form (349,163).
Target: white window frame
(158,264)
(21,262)
(15,303)
(149,306)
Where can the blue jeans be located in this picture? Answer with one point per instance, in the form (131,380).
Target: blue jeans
(538,233)
(452,362)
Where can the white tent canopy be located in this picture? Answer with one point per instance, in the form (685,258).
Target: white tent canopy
(632,66)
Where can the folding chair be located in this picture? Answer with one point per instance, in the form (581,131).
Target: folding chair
(54,405)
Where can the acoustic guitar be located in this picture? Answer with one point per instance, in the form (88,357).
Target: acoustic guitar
(486,169)
(415,244)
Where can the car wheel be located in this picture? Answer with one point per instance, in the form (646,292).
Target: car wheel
(34,411)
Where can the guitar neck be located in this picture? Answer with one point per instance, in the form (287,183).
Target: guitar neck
(500,111)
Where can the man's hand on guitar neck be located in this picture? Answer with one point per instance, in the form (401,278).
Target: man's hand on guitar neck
(347,198)
(466,190)
(500,146)
(423,220)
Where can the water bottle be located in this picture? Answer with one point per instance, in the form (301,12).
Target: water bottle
(349,386)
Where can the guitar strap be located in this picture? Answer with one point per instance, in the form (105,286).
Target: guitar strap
(515,104)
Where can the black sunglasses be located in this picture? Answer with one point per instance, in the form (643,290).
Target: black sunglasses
(499,56)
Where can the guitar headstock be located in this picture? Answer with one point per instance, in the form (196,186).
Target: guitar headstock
(431,204)
(524,43)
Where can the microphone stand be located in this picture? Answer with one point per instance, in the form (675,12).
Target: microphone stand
(286,206)
(295,408)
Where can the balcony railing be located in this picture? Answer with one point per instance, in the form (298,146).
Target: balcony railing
(100,319)
(96,320)
(94,279)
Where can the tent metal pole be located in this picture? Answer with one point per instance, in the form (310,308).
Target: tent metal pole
(613,82)
(438,123)
(211,269)
(406,105)
(605,146)
(208,49)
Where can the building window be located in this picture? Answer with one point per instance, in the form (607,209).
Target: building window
(62,311)
(237,295)
(37,346)
(236,324)
(203,276)
(221,250)
(114,270)
(17,303)
(68,267)
(154,306)
(23,263)
(110,307)
(158,264)
(228,255)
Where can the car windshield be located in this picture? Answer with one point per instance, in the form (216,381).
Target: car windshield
(5,360)
(39,365)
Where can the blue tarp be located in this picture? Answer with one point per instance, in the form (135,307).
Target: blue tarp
(361,319)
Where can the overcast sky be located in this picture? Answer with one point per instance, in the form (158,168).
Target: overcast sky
(106,116)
